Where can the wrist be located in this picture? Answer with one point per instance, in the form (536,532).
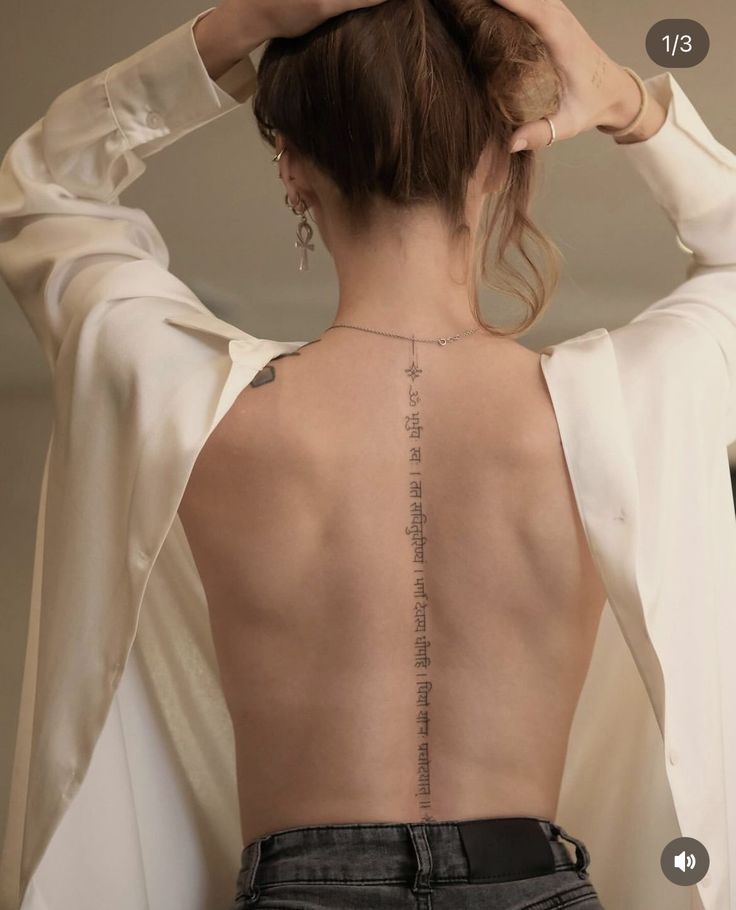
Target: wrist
(626,105)
(221,43)
(651,124)
(636,112)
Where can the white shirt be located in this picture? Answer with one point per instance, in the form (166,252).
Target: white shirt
(123,788)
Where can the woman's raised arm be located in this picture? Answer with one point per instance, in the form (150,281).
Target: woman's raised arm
(77,260)
(237,27)
(688,337)
(597,91)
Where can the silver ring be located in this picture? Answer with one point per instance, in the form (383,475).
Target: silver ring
(553,131)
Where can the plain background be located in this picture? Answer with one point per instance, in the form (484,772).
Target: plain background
(214,197)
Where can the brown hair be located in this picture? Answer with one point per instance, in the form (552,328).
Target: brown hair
(400,99)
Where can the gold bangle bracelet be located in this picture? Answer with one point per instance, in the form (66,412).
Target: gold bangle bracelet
(617,134)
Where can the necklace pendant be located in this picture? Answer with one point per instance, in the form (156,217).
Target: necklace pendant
(442,341)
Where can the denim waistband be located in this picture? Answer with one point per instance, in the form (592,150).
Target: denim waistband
(414,853)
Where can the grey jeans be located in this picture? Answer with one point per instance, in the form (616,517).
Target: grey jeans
(515,863)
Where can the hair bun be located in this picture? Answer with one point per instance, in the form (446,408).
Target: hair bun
(395,104)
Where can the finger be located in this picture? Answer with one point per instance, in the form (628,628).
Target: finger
(358,4)
(534,11)
(536,135)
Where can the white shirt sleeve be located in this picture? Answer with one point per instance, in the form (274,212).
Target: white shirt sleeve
(69,251)
(693,178)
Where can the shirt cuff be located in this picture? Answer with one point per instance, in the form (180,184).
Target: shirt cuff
(164,89)
(688,171)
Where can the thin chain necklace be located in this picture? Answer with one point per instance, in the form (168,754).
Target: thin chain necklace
(441,341)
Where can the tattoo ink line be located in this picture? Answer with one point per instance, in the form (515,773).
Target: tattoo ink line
(417,539)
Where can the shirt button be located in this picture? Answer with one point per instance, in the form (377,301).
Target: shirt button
(673,757)
(154,120)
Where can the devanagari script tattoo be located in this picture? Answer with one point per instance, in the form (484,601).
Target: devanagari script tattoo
(417,540)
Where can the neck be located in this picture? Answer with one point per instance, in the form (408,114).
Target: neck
(405,279)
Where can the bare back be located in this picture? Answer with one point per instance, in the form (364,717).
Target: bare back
(388,651)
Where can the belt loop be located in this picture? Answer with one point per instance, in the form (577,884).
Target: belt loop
(251,858)
(582,856)
(418,834)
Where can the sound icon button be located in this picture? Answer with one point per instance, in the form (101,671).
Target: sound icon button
(682,861)
(685,861)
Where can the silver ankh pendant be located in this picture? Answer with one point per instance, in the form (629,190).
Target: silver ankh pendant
(304,233)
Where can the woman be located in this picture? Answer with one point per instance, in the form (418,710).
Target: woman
(401,681)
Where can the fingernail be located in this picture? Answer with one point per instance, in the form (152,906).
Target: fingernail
(519,145)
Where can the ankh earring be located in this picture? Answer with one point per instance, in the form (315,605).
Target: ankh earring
(304,231)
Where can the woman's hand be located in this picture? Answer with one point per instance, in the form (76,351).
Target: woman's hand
(285,18)
(596,90)
(236,27)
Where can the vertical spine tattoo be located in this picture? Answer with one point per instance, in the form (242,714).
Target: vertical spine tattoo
(415,532)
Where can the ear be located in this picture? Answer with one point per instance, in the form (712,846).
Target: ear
(284,169)
(280,148)
(293,173)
